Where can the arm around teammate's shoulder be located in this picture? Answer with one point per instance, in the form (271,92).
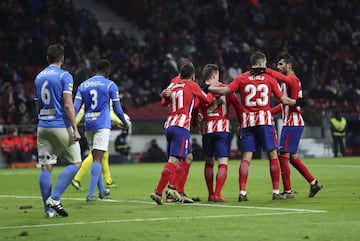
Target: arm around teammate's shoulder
(196,90)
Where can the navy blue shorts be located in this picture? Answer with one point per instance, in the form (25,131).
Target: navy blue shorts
(178,141)
(259,136)
(216,144)
(290,138)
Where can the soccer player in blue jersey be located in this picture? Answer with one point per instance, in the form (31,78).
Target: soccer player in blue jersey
(57,132)
(96,93)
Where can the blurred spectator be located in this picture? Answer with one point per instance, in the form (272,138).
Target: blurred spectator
(34,153)
(9,104)
(154,153)
(122,140)
(2,123)
(17,147)
(82,73)
(196,150)
(323,36)
(26,146)
(338,126)
(121,144)
(234,70)
(8,146)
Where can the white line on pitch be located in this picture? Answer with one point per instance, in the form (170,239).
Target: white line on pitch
(336,166)
(146,220)
(195,204)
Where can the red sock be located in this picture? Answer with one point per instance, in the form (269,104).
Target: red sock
(166,174)
(209,177)
(220,178)
(275,173)
(243,174)
(300,166)
(183,174)
(174,180)
(285,172)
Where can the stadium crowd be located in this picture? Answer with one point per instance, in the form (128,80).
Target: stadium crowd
(323,36)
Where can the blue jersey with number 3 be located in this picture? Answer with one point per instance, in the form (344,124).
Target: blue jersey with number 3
(96,93)
(50,84)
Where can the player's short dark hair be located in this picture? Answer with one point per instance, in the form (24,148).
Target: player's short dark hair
(187,71)
(256,57)
(288,59)
(181,62)
(54,53)
(209,70)
(103,65)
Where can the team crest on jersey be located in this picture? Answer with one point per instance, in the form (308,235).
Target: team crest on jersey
(93,84)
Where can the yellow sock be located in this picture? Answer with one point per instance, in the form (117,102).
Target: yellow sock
(85,167)
(106,168)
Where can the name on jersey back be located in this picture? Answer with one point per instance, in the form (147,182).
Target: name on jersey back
(256,77)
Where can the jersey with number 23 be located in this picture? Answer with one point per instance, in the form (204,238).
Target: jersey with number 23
(255,93)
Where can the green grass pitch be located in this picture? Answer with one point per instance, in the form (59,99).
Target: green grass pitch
(129,213)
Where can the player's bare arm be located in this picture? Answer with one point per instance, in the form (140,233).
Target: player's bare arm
(70,112)
(220,90)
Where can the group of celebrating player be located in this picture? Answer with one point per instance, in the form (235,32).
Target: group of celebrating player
(185,98)
(58,134)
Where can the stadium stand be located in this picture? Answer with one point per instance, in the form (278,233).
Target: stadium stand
(323,35)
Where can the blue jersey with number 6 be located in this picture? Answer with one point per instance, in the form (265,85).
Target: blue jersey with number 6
(96,93)
(50,84)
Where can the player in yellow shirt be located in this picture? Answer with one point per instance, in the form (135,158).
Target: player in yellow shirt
(87,162)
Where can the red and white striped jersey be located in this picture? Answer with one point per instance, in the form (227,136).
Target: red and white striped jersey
(291,86)
(164,100)
(255,93)
(257,118)
(216,115)
(181,102)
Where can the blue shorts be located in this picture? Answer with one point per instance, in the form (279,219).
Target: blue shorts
(259,136)
(290,138)
(216,144)
(178,141)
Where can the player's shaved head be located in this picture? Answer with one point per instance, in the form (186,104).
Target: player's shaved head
(257,58)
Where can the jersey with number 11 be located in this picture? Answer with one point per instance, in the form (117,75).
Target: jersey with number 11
(181,103)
